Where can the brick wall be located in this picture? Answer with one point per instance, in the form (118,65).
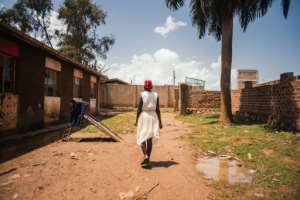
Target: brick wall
(203,101)
(193,99)
(277,102)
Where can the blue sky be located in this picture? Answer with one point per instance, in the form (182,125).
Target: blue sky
(271,44)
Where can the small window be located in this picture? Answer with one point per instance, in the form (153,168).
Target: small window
(51,82)
(76,88)
(7,73)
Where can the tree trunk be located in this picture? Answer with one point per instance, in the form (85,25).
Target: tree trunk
(226,113)
(43,25)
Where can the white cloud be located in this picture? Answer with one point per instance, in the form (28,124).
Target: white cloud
(159,67)
(170,25)
(56,24)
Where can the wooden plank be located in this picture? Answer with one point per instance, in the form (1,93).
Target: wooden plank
(102,127)
(105,127)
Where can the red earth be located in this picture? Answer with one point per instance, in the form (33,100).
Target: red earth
(108,170)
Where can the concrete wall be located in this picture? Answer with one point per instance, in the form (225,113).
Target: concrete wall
(30,87)
(86,87)
(116,95)
(51,109)
(66,79)
(93,106)
(8,111)
(65,89)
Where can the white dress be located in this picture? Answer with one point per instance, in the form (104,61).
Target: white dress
(148,124)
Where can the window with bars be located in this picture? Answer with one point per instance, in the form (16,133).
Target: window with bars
(51,82)
(7,73)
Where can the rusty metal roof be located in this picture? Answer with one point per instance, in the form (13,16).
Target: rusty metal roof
(116,81)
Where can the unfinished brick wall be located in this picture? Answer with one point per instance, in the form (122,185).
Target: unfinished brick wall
(203,101)
(277,102)
(183,98)
(252,100)
(194,99)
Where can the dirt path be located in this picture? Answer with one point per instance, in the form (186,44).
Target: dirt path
(104,170)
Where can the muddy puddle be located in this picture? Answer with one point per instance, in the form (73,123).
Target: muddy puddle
(224,170)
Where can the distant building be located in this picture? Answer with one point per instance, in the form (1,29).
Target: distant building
(246,75)
(115,81)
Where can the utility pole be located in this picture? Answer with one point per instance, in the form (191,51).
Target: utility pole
(174,77)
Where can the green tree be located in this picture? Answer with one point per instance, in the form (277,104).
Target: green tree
(100,67)
(30,16)
(215,17)
(80,41)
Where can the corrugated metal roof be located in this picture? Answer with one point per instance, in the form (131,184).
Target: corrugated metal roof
(115,80)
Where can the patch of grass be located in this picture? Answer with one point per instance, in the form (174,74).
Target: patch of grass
(89,129)
(120,123)
(275,155)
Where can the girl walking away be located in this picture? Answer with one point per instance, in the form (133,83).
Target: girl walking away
(148,121)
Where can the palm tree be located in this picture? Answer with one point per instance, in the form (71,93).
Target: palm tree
(216,17)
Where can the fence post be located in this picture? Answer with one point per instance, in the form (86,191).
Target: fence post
(183,98)
(134,98)
(168,96)
(176,99)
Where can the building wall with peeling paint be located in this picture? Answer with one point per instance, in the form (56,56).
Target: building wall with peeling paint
(8,111)
(51,109)
(27,107)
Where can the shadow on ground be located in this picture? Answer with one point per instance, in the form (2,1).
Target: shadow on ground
(93,139)
(12,148)
(165,164)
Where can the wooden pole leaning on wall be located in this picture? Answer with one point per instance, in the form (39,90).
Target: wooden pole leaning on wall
(90,118)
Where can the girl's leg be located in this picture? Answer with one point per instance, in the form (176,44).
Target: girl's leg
(144,148)
(149,147)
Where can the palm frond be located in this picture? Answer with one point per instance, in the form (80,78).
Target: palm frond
(207,15)
(174,4)
(285,7)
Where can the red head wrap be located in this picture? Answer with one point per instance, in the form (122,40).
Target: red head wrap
(148,84)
